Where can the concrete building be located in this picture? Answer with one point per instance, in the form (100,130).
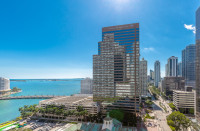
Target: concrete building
(72,102)
(184,100)
(180,69)
(86,86)
(173,83)
(197,72)
(143,76)
(116,67)
(172,67)
(188,64)
(157,76)
(4,84)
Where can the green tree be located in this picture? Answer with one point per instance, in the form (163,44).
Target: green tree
(191,110)
(172,106)
(178,121)
(117,114)
(80,108)
(148,102)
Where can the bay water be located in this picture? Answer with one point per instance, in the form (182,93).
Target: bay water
(9,108)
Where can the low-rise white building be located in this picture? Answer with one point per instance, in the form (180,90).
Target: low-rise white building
(72,102)
(184,100)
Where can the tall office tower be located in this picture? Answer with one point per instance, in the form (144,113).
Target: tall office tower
(172,66)
(180,69)
(198,64)
(188,62)
(143,77)
(152,74)
(86,86)
(166,70)
(116,67)
(156,73)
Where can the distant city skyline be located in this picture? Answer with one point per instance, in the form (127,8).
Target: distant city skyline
(50,39)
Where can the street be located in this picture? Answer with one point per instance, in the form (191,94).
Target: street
(160,114)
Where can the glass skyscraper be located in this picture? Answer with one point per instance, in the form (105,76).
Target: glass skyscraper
(116,67)
(198,64)
(188,64)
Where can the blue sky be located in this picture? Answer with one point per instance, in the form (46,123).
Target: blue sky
(57,38)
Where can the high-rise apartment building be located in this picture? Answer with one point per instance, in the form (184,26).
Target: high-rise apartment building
(188,64)
(4,84)
(172,67)
(116,67)
(143,76)
(198,65)
(157,76)
(86,86)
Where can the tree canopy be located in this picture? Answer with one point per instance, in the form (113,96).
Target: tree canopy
(178,121)
(172,106)
(117,114)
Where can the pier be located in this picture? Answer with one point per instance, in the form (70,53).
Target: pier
(29,97)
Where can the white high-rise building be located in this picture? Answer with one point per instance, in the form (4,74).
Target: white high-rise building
(156,73)
(86,86)
(4,84)
(143,76)
(172,67)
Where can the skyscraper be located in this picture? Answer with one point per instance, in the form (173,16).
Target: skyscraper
(152,74)
(143,76)
(180,69)
(156,73)
(198,64)
(188,62)
(86,86)
(4,84)
(116,67)
(172,67)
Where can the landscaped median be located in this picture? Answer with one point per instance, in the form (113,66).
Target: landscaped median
(163,106)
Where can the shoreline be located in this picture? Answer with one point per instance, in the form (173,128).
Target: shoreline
(10,93)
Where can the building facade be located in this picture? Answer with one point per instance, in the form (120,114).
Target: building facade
(172,67)
(71,103)
(188,61)
(4,84)
(157,76)
(86,86)
(143,76)
(116,67)
(180,69)
(184,101)
(173,83)
(197,72)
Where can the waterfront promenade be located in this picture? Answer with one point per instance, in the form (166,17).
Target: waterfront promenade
(29,97)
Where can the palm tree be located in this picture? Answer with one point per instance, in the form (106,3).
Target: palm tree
(85,113)
(77,115)
(66,113)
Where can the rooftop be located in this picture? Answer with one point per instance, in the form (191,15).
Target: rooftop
(69,100)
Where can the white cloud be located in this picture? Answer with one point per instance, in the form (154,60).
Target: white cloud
(190,27)
(150,49)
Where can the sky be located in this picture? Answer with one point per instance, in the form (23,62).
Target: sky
(57,38)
